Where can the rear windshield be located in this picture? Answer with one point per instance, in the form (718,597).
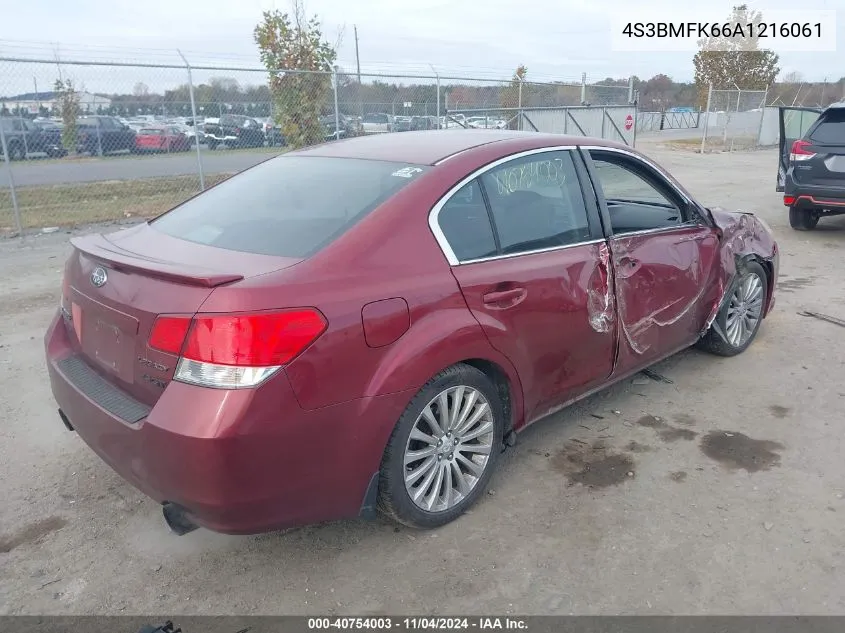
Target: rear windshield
(151,131)
(830,129)
(290,206)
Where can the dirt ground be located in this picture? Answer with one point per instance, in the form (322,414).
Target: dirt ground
(720,492)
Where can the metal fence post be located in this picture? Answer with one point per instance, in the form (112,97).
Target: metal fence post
(196,124)
(336,108)
(23,129)
(583,88)
(14,195)
(762,115)
(437,75)
(636,121)
(99,139)
(706,118)
(630,90)
(521,80)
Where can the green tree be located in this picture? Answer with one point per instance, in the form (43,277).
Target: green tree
(733,59)
(69,111)
(295,43)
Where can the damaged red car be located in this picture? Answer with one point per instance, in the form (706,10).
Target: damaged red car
(365,325)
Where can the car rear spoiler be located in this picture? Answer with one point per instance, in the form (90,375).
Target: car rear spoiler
(98,247)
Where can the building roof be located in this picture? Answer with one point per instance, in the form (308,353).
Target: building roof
(46,96)
(34,96)
(430,146)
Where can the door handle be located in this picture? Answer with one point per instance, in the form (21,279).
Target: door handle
(501,299)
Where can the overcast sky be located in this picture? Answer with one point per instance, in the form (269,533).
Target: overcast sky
(555,39)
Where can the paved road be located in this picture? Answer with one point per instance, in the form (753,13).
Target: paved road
(53,172)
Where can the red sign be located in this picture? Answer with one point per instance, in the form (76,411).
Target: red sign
(629,122)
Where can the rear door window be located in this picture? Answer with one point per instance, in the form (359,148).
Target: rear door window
(537,203)
(830,128)
(290,206)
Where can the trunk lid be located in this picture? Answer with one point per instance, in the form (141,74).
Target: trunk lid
(116,285)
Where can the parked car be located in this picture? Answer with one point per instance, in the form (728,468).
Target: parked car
(366,324)
(189,130)
(163,138)
(424,123)
(811,173)
(46,124)
(273,133)
(233,130)
(376,123)
(347,127)
(24,137)
(485,123)
(103,135)
(402,124)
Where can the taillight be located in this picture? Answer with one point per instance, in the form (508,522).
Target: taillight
(800,152)
(788,200)
(169,333)
(233,351)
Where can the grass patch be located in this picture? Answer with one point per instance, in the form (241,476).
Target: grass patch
(86,203)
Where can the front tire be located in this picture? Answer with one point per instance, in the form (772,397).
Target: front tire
(803,219)
(16,151)
(444,449)
(740,317)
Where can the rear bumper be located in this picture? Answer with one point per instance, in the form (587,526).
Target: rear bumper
(808,196)
(240,462)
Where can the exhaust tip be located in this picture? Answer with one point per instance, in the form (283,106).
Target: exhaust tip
(66,422)
(177,519)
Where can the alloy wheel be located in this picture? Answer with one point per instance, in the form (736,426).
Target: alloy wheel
(449,448)
(744,310)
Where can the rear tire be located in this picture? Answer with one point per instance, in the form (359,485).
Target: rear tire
(16,152)
(741,315)
(803,219)
(432,473)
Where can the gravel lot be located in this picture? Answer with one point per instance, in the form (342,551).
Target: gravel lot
(735,505)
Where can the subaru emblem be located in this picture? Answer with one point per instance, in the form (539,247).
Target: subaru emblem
(99,277)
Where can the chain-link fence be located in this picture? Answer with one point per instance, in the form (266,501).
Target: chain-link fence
(732,119)
(85,142)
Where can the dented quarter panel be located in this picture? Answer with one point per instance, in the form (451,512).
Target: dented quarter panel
(561,336)
(664,289)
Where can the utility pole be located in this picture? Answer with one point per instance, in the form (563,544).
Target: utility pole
(358,64)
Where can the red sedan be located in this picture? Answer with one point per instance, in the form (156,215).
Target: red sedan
(162,139)
(367,323)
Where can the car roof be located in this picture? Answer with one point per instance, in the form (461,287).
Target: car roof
(431,146)
(836,106)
